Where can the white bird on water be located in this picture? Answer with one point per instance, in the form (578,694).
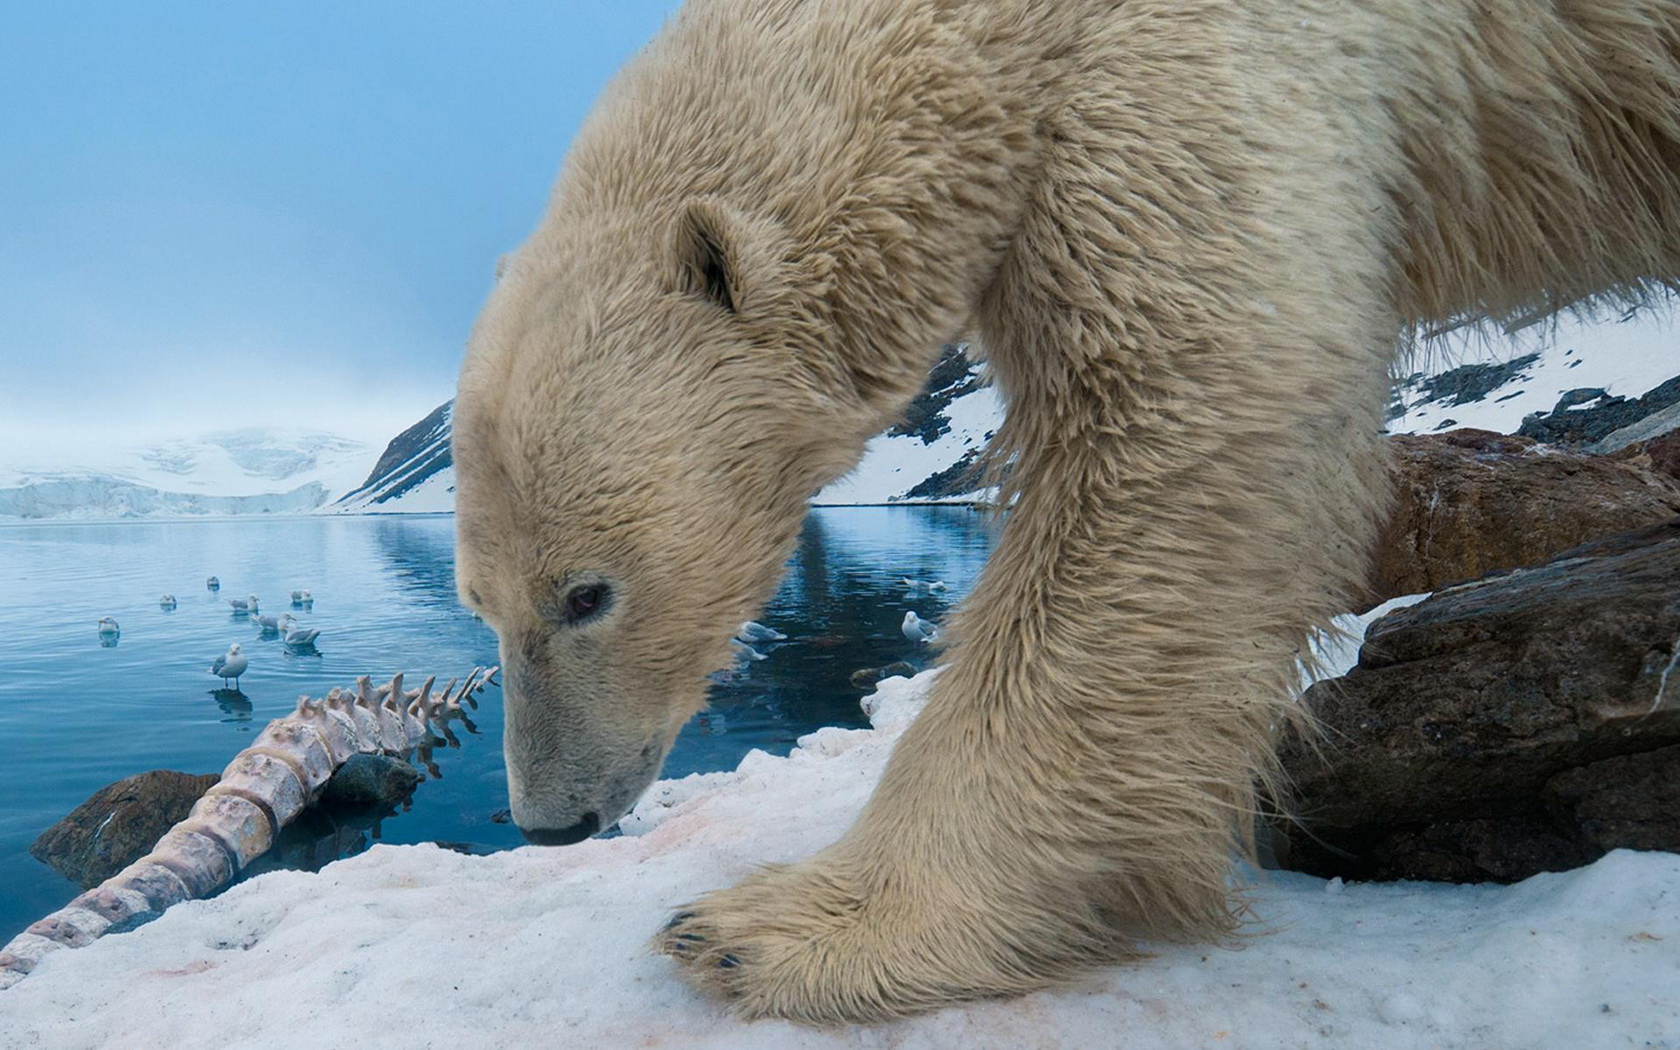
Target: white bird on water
(292,634)
(108,626)
(167,602)
(212,584)
(917,629)
(302,600)
(231,664)
(744,653)
(935,587)
(267,621)
(244,606)
(753,631)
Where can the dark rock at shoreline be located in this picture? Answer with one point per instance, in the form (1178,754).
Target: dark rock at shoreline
(867,677)
(119,824)
(371,780)
(1470,502)
(1503,727)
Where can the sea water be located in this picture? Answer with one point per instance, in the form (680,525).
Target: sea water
(79,710)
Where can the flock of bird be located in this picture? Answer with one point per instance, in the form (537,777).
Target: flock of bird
(751,634)
(234,663)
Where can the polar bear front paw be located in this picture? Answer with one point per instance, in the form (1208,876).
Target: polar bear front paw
(807,944)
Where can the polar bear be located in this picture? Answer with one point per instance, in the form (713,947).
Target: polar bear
(1190,235)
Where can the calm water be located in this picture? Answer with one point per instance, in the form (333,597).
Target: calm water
(77,713)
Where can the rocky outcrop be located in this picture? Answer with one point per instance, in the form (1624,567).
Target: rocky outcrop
(1470,502)
(118,824)
(1464,385)
(1525,722)
(1589,414)
(953,376)
(1660,455)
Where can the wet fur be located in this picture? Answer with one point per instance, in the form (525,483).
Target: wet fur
(1190,235)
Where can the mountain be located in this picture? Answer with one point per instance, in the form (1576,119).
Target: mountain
(1567,381)
(249,471)
(930,456)
(414,474)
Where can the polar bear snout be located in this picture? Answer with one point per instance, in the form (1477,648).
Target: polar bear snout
(575,762)
(589,825)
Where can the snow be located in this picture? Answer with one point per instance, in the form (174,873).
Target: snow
(892,465)
(229,472)
(1626,358)
(413,946)
(1337,650)
(435,495)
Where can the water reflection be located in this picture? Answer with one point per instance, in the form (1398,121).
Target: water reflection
(233,703)
(422,561)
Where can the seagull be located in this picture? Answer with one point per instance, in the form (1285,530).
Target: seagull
(108,626)
(243,606)
(295,635)
(935,587)
(745,653)
(302,599)
(917,629)
(267,622)
(212,584)
(167,602)
(752,631)
(231,664)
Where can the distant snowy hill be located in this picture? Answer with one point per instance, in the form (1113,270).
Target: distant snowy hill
(258,470)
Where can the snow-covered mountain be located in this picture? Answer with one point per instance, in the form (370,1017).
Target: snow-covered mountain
(929,457)
(257,470)
(1569,381)
(414,474)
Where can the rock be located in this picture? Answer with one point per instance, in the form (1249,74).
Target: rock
(119,824)
(1591,415)
(371,780)
(1470,502)
(1659,454)
(1658,423)
(866,677)
(1503,727)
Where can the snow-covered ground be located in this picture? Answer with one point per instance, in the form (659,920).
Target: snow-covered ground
(1622,358)
(241,471)
(413,946)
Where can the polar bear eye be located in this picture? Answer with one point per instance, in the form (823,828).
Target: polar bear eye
(584,602)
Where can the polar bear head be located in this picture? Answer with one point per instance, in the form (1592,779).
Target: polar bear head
(646,408)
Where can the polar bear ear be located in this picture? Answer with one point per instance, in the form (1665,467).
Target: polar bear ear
(709,264)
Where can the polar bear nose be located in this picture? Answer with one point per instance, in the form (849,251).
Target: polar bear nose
(589,825)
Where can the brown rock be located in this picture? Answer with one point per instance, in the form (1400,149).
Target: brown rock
(1659,455)
(119,824)
(1470,502)
(1505,726)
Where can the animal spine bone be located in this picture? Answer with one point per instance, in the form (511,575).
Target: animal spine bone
(261,790)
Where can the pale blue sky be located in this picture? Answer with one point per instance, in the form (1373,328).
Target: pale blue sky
(217,214)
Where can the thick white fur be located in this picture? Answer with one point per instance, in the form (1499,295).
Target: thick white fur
(1191,234)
